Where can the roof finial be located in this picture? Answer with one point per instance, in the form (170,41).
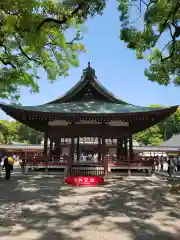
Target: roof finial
(89,64)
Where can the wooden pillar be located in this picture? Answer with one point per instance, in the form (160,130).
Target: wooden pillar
(72,151)
(117,149)
(60,148)
(104,157)
(50,149)
(131,147)
(45,142)
(45,151)
(77,150)
(99,149)
(121,149)
(105,163)
(128,157)
(56,147)
(125,148)
(49,155)
(103,147)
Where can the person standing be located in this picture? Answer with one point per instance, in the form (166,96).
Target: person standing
(157,162)
(175,163)
(14,157)
(23,163)
(169,163)
(178,163)
(162,163)
(8,165)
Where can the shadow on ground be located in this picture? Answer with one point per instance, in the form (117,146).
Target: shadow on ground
(43,208)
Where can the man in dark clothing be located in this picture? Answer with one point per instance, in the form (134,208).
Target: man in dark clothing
(8,168)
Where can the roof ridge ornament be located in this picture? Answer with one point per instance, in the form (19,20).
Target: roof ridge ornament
(89,72)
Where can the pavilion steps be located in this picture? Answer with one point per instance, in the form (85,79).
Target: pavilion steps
(86,170)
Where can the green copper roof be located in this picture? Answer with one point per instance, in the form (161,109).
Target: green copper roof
(82,107)
(88,77)
(88,96)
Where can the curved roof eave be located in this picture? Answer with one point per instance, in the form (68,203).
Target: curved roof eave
(30,118)
(45,109)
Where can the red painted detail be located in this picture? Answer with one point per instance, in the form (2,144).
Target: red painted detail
(133,163)
(84,180)
(62,163)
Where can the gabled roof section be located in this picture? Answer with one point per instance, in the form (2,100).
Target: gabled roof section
(174,141)
(88,89)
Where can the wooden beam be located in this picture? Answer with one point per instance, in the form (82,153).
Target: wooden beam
(89,130)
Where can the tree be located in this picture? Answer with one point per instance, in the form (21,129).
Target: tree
(161,131)
(171,125)
(29,135)
(15,131)
(9,131)
(160,23)
(151,136)
(34,34)
(3,133)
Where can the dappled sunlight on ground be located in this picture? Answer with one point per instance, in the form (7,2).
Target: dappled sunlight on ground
(43,207)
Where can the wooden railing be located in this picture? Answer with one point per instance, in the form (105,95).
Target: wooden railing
(142,162)
(60,161)
(42,161)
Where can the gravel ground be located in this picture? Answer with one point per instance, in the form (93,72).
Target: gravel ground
(42,207)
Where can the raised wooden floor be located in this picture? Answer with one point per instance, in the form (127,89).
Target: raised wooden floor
(91,168)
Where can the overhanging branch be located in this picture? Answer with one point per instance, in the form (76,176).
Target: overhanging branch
(7,62)
(169,21)
(63,20)
(25,54)
(174,35)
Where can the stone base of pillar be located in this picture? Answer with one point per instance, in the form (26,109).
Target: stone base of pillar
(66,172)
(26,169)
(106,174)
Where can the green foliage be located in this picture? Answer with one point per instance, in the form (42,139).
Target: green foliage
(160,24)
(160,132)
(33,34)
(14,131)
(151,136)
(29,135)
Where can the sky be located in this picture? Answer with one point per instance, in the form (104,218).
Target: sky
(116,68)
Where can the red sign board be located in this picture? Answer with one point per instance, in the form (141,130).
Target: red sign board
(84,180)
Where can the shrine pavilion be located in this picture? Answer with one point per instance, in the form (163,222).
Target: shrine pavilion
(88,110)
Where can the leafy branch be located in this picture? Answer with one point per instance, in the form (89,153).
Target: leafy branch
(33,35)
(160,19)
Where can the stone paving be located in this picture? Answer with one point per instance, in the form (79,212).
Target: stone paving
(42,207)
